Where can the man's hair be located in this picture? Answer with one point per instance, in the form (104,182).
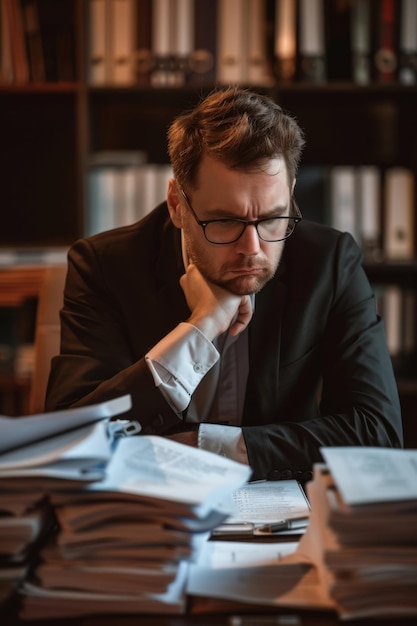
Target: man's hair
(239,128)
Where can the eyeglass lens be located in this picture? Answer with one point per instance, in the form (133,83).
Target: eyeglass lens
(227,231)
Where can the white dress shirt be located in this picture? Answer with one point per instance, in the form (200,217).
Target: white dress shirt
(206,381)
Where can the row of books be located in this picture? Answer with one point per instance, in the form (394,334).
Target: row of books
(122,188)
(377,206)
(397,305)
(37,41)
(174,42)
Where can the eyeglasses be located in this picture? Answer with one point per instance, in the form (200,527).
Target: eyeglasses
(228,230)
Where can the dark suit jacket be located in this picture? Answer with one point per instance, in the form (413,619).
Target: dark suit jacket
(320,373)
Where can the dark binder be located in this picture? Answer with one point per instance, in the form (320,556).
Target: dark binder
(311,41)
(386,40)
(203,60)
(143,59)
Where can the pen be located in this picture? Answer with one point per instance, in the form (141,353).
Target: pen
(233,529)
(282,524)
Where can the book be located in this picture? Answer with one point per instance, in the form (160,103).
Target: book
(113,189)
(342,181)
(99,42)
(142,54)
(285,39)
(203,59)
(162,51)
(12,23)
(230,51)
(123,42)
(407,70)
(182,41)
(33,38)
(311,41)
(102,196)
(369,210)
(338,38)
(361,41)
(385,40)
(259,69)
(392,306)
(57,26)
(6,61)
(399,199)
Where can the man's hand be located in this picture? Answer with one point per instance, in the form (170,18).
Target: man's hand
(213,309)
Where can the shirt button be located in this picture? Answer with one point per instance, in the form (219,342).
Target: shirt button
(198,367)
(274,475)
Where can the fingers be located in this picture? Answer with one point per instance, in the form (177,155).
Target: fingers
(244,316)
(214,310)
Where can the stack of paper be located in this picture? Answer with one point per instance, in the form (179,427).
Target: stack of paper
(24,521)
(37,454)
(123,543)
(362,534)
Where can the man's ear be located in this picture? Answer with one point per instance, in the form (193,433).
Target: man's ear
(173,201)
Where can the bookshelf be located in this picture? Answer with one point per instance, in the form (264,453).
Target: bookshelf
(51,128)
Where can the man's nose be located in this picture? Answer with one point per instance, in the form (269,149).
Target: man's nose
(249,242)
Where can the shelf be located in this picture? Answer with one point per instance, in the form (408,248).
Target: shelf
(347,87)
(41,88)
(400,272)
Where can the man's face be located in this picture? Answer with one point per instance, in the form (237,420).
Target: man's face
(245,266)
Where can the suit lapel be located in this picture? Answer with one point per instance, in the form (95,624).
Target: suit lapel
(169,268)
(264,353)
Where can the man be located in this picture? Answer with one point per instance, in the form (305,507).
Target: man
(233,324)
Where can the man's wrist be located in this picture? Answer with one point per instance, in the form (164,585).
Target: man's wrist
(206,326)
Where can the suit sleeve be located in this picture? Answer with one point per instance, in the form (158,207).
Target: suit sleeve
(96,362)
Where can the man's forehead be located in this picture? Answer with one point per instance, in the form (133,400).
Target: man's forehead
(210,165)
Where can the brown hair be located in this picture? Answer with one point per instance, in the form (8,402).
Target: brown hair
(240,128)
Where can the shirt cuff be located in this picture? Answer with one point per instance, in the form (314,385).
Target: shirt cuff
(179,362)
(227,441)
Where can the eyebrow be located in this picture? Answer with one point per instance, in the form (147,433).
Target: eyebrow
(276,211)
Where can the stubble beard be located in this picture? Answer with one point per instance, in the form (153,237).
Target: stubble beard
(244,286)
(240,285)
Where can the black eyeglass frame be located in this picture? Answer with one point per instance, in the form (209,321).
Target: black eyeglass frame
(204,223)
